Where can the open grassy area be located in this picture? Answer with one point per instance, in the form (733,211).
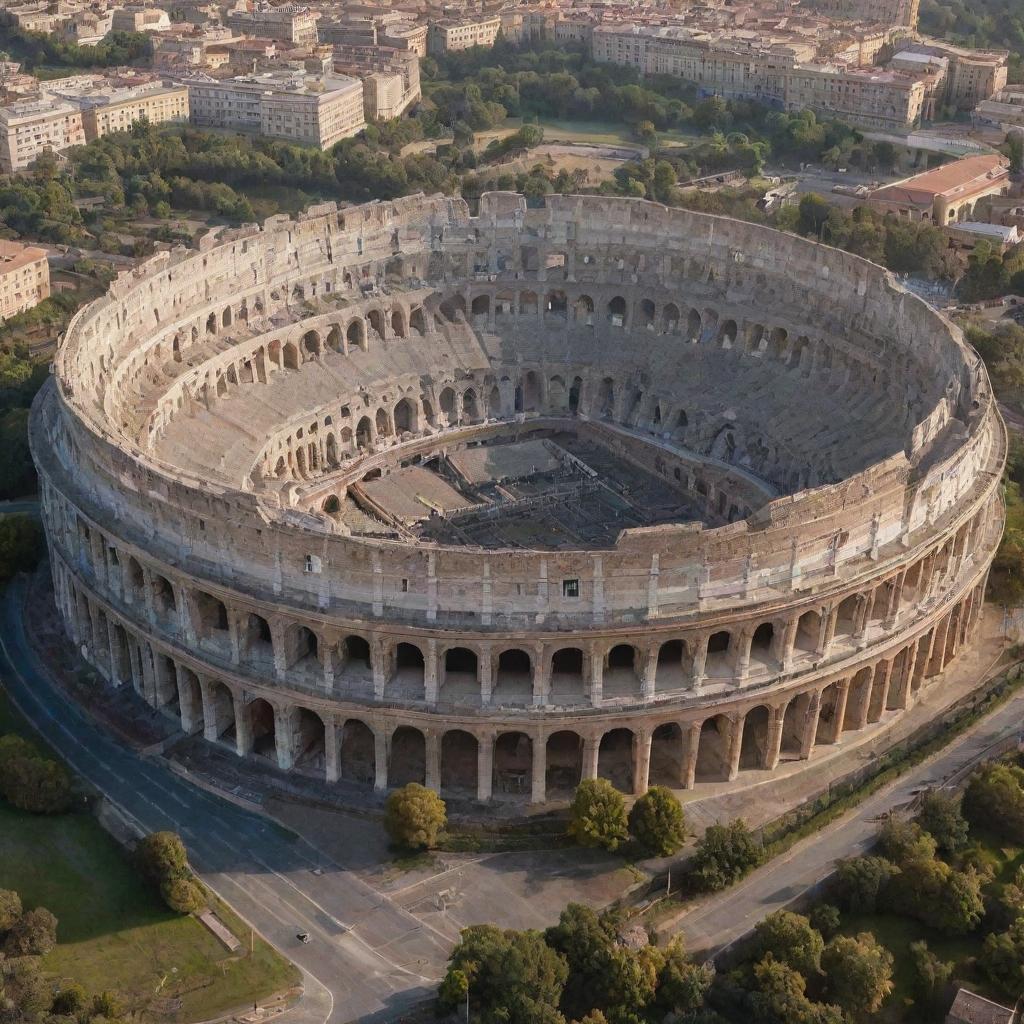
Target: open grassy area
(601,133)
(114,932)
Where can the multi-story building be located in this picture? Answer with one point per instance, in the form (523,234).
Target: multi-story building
(405,35)
(138,18)
(288,23)
(315,111)
(451,34)
(876,99)
(883,12)
(32,127)
(972,75)
(116,110)
(391,78)
(24,278)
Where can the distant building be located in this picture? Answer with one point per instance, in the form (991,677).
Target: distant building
(289,23)
(110,109)
(969,1008)
(391,78)
(24,278)
(33,127)
(452,34)
(137,18)
(947,194)
(311,110)
(972,75)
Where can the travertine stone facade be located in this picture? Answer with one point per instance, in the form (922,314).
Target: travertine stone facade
(209,416)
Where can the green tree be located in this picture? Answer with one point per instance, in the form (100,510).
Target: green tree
(682,984)
(597,815)
(24,993)
(994,799)
(36,784)
(826,918)
(791,940)
(657,822)
(33,934)
(931,978)
(725,853)
(161,855)
(779,996)
(941,817)
(10,906)
(414,817)
(513,976)
(858,973)
(860,881)
(585,940)
(1002,958)
(813,214)
(183,895)
(1014,148)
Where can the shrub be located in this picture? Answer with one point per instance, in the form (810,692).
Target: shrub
(941,817)
(859,882)
(414,816)
(597,816)
(826,918)
(994,799)
(161,855)
(791,940)
(10,909)
(657,822)
(183,895)
(69,1001)
(858,972)
(725,853)
(33,934)
(36,784)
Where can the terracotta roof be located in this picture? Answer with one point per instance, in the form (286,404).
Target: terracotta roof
(952,179)
(970,1008)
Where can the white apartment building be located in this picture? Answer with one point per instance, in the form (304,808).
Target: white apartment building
(24,278)
(281,105)
(452,34)
(33,127)
(289,23)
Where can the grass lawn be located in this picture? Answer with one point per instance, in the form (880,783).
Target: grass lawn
(114,932)
(606,133)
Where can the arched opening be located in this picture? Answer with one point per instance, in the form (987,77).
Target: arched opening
(583,310)
(355,654)
(567,682)
(136,580)
(574,395)
(513,764)
(302,650)
(257,640)
(719,659)
(754,748)
(355,333)
(531,392)
(164,602)
(376,318)
(827,731)
(556,305)
(761,644)
(211,618)
(331,505)
(331,450)
(727,334)
(211,324)
(406,418)
(382,423)
(290,353)
(470,407)
(794,725)
(615,759)
(459,759)
(418,321)
(263,729)
(557,395)
(459,682)
(190,699)
(857,701)
(407,681)
(364,433)
(222,712)
(606,399)
(513,682)
(494,404)
(408,757)
(447,402)
(846,616)
(453,308)
(675,667)
(670,319)
(667,758)
(397,323)
(617,312)
(311,343)
(274,353)
(713,750)
(620,674)
(334,339)
(808,632)
(357,756)
(310,749)
(528,304)
(563,764)
(693,326)
(481,306)
(648,312)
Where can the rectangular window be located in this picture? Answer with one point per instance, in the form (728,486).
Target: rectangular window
(570,588)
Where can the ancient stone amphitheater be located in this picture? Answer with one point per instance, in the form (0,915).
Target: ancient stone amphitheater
(497,503)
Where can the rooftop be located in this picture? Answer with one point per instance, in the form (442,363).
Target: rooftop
(949,180)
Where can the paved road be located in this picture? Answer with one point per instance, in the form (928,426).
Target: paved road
(368,959)
(727,917)
(28,505)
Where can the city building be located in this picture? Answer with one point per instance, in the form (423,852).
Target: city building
(946,194)
(448,35)
(138,18)
(31,127)
(291,105)
(24,278)
(287,23)
(109,108)
(391,78)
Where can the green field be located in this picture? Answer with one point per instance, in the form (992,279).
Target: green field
(114,932)
(607,133)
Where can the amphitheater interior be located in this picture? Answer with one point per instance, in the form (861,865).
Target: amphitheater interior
(496,503)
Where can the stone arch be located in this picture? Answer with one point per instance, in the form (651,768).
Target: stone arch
(376,320)
(301,649)
(858,701)
(418,321)
(406,416)
(210,616)
(574,395)
(274,352)
(470,407)
(615,758)
(556,304)
(727,333)
(754,751)
(606,399)
(719,658)
(257,639)
(513,681)
(513,764)
(355,333)
(355,653)
(164,601)
(762,645)
(453,307)
(382,423)
(830,700)
(794,725)
(262,728)
(563,760)
(459,762)
(622,671)
(407,758)
(211,324)
(190,699)
(846,615)
(221,725)
(667,756)
(357,758)
(397,323)
(568,682)
(531,392)
(616,311)
(648,313)
(583,310)
(495,407)
(675,666)
(460,672)
(311,343)
(407,679)
(694,326)
(713,749)
(670,319)
(310,749)
(808,631)
(290,356)
(557,395)
(528,303)
(331,449)
(447,402)
(335,338)
(480,306)
(364,432)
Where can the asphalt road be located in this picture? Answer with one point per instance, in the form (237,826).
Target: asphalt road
(368,959)
(727,917)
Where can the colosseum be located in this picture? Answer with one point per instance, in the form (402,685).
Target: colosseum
(495,503)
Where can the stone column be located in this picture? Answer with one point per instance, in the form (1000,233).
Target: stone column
(827,632)
(810,731)
(234,638)
(787,643)
(210,714)
(596,676)
(641,761)
(883,681)
(485,665)
(484,767)
(942,636)
(380,760)
(835,731)
(862,706)
(280,657)
(773,745)
(433,759)
(650,674)
(741,659)
(591,749)
(378,663)
(327,658)
(860,628)
(147,590)
(430,673)
(700,661)
(243,726)
(892,610)
(541,676)
(735,745)
(332,751)
(284,737)
(538,774)
(689,764)
(186,701)
(903,683)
